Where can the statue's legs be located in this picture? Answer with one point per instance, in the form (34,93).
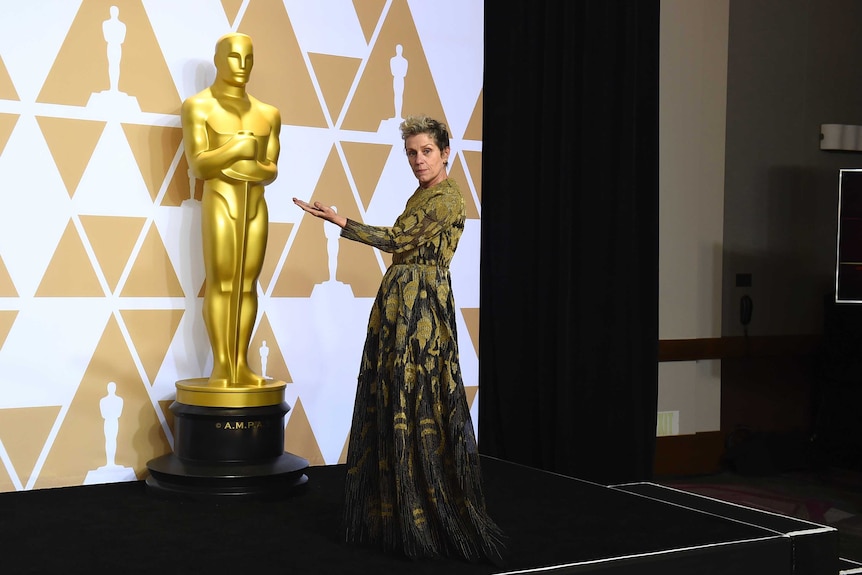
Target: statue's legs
(255,251)
(218,239)
(230,299)
(115,54)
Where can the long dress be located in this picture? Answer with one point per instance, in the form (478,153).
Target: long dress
(413,482)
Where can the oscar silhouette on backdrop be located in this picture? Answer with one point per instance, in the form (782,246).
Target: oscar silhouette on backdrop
(398,65)
(114,32)
(333,234)
(232,143)
(398,68)
(264,355)
(111,408)
(331,289)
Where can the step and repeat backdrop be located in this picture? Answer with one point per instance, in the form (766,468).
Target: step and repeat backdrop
(101,270)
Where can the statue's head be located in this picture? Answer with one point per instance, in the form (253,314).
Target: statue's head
(234,59)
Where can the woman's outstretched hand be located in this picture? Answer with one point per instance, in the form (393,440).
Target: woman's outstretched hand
(320,210)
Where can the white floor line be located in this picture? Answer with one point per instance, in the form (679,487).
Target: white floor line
(818,528)
(611,560)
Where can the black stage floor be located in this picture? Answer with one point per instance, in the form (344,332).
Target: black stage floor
(555,524)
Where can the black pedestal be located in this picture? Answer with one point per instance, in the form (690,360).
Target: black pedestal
(221,451)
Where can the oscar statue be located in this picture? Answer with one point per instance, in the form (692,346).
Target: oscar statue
(230,426)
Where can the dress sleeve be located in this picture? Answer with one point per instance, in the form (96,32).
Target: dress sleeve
(412,228)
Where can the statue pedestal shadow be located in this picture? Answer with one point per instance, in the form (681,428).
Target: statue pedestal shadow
(228,441)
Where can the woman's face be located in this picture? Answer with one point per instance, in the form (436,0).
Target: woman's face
(426,159)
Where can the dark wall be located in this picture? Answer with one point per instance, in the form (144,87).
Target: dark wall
(792,66)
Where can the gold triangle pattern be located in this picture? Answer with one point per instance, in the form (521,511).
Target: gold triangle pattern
(71,143)
(265,345)
(80,444)
(474,162)
(143,73)
(299,437)
(70,273)
(151,332)
(7,318)
(457,173)
(275,244)
(231,9)
(471,391)
(7,89)
(105,250)
(7,288)
(474,126)
(112,239)
(369,12)
(366,162)
(153,274)
(6,483)
(273,54)
(7,124)
(154,148)
(180,187)
(307,263)
(343,457)
(368,104)
(471,318)
(24,448)
(334,76)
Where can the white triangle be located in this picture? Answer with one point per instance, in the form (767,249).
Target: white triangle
(189,354)
(468,357)
(10,469)
(458,76)
(38,365)
(474,414)
(31,34)
(112,184)
(188,50)
(397,183)
(36,206)
(327,388)
(330,27)
(180,229)
(465,266)
(304,152)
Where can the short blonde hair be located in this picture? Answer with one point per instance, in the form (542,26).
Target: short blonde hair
(438,131)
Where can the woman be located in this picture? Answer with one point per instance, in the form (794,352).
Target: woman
(413,483)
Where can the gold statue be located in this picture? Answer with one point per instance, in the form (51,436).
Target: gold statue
(231,142)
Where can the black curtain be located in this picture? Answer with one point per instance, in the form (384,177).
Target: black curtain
(569,270)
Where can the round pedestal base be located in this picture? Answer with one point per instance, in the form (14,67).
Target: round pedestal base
(278,477)
(222,451)
(228,434)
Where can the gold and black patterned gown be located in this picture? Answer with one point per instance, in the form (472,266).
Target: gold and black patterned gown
(413,484)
